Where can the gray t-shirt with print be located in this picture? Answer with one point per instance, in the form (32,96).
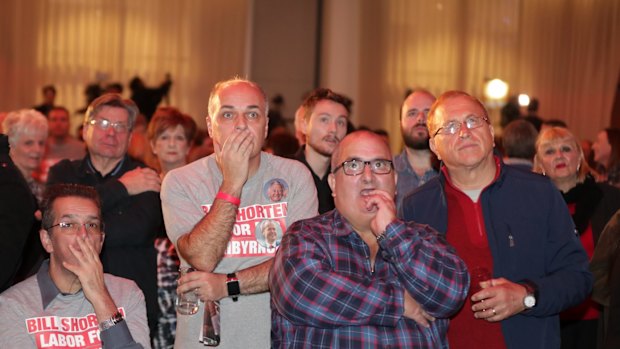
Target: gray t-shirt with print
(281,192)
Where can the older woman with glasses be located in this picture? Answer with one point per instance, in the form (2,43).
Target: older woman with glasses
(559,156)
(170,134)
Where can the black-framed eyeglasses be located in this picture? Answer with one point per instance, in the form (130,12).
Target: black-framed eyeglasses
(453,127)
(105,124)
(72,228)
(356,167)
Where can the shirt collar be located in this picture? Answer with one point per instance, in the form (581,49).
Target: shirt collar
(114,172)
(498,167)
(48,288)
(341,226)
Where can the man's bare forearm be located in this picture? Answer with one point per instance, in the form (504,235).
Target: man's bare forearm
(204,246)
(255,279)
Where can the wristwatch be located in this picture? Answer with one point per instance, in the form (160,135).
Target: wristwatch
(529,301)
(232,283)
(115,319)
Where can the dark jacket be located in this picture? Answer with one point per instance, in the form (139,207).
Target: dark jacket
(595,204)
(323,191)
(531,236)
(131,224)
(17,222)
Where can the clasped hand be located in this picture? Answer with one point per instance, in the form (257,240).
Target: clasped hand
(499,299)
(208,286)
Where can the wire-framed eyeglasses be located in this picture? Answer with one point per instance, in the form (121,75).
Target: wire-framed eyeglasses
(453,127)
(105,124)
(72,228)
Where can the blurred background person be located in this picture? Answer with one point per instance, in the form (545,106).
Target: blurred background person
(148,98)
(605,267)
(17,220)
(281,143)
(559,156)
(138,144)
(60,144)
(201,147)
(606,150)
(49,96)
(519,144)
(416,164)
(170,134)
(27,133)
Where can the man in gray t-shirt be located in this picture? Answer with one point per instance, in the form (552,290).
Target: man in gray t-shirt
(214,209)
(70,302)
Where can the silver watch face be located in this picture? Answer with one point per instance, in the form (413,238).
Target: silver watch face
(529,301)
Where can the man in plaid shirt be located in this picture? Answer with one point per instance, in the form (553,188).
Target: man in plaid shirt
(357,277)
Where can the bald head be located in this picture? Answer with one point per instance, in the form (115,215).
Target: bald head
(370,173)
(365,137)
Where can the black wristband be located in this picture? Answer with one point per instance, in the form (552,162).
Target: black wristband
(232,283)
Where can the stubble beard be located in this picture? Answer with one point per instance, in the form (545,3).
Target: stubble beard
(416,143)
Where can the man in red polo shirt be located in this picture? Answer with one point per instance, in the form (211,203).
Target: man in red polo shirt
(512,223)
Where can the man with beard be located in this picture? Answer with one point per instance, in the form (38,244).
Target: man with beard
(324,125)
(416,164)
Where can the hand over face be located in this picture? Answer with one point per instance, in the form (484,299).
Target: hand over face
(383,203)
(498,300)
(140,180)
(87,267)
(234,157)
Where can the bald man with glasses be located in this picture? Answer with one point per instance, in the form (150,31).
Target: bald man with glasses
(358,277)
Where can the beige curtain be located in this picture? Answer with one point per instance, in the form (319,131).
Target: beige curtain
(70,43)
(565,53)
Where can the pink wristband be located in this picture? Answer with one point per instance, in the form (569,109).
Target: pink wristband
(226,197)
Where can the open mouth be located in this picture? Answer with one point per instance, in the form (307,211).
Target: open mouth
(366,192)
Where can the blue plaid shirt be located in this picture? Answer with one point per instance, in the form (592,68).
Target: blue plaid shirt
(325,295)
(408,180)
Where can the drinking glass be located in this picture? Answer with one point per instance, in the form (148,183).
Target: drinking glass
(187,303)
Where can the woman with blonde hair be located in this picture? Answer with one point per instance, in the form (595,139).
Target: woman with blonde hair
(559,156)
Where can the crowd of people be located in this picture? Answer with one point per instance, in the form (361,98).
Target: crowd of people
(317,238)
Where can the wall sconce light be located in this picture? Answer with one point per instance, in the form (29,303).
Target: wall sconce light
(524,100)
(496,89)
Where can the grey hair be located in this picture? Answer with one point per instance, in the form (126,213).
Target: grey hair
(22,122)
(112,100)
